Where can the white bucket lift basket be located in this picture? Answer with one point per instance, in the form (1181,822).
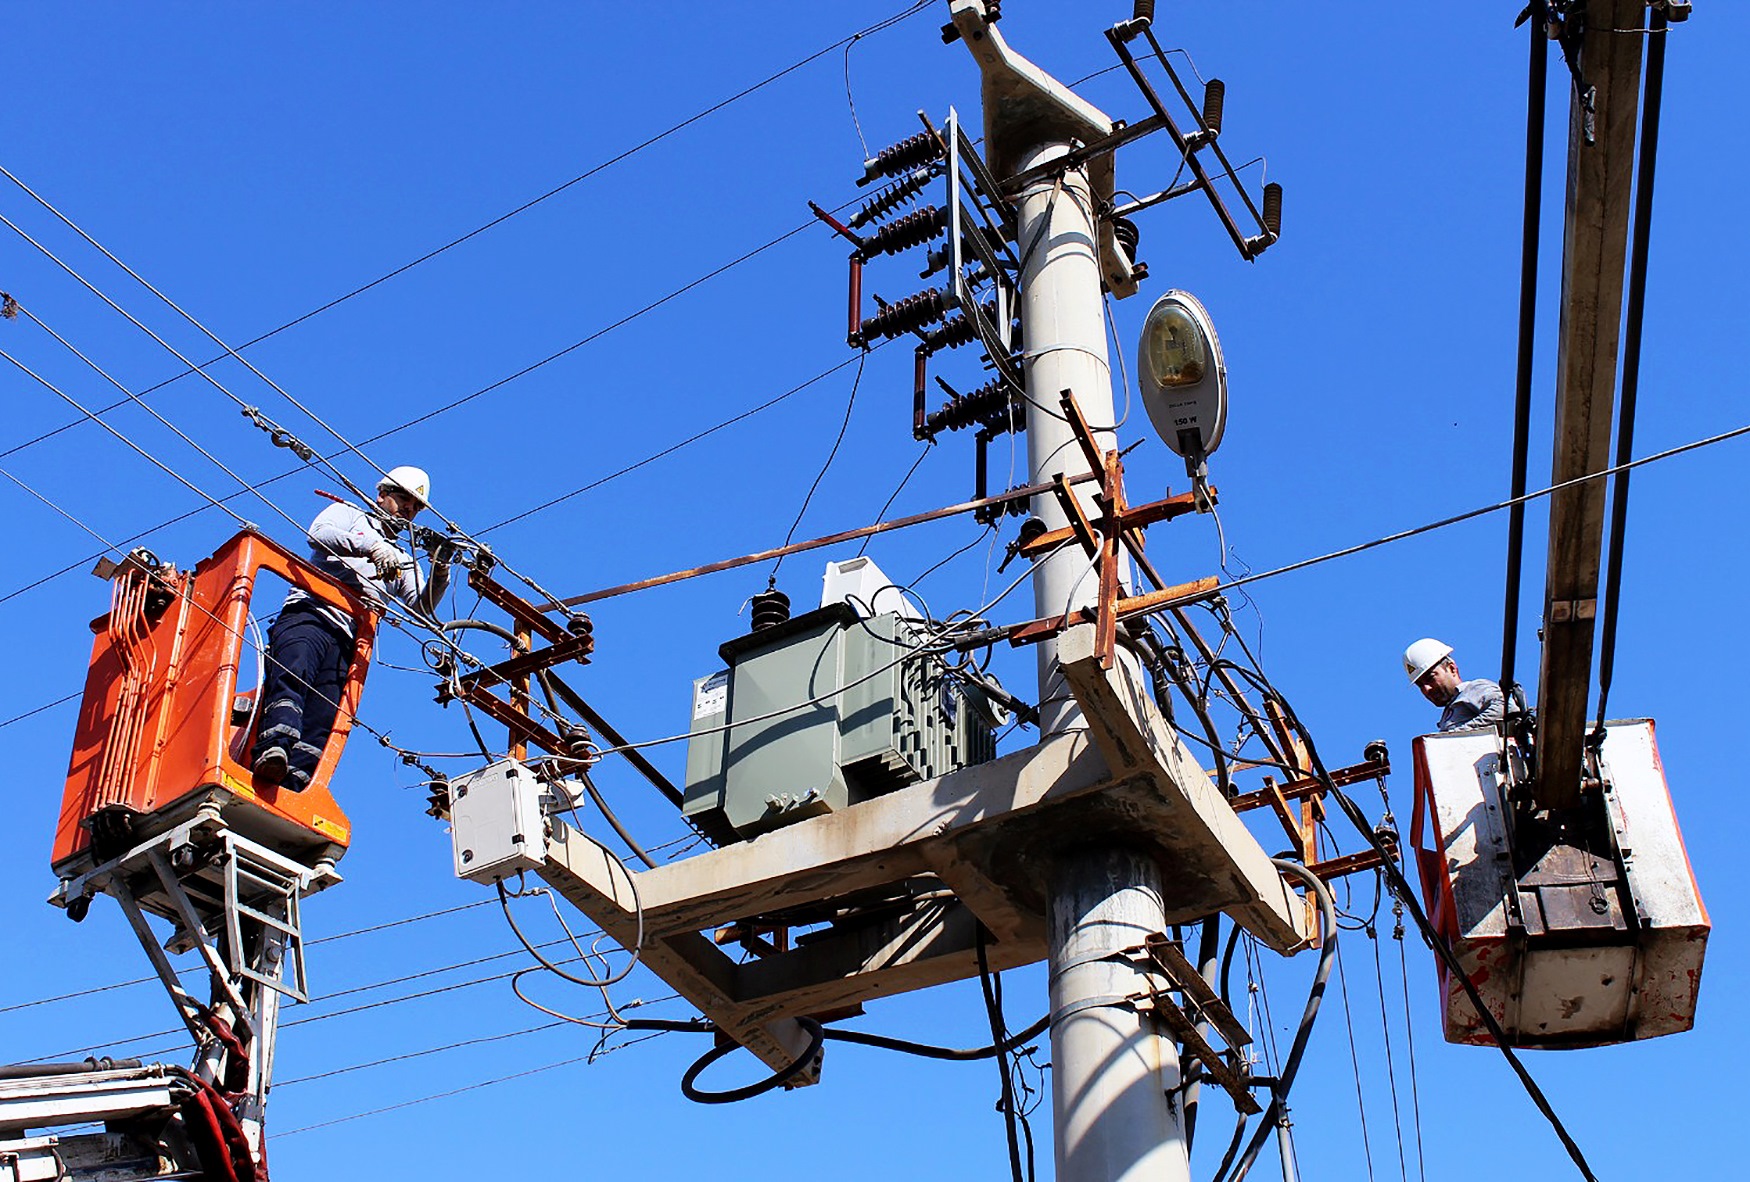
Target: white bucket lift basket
(1582,949)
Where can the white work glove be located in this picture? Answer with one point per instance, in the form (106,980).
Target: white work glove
(388,561)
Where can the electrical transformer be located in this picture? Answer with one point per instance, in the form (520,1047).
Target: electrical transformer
(821,711)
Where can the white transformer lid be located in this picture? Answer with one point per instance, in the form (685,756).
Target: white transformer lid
(861,583)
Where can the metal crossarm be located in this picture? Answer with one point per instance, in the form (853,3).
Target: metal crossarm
(1165,957)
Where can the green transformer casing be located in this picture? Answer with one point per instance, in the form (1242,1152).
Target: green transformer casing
(874,722)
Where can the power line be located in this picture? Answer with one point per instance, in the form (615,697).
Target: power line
(348,445)
(390,611)
(371,929)
(524,371)
(672,448)
(478,230)
(155,461)
(1402,535)
(32,713)
(467,1042)
(486,1083)
(380,927)
(831,455)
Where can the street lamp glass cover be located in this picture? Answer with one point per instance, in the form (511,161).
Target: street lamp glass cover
(1174,348)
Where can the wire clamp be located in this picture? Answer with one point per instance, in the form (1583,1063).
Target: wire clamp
(279,435)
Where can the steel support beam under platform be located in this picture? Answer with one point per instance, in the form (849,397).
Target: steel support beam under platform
(980,838)
(1594,249)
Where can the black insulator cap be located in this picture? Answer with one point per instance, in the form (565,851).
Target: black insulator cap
(771,607)
(1125,231)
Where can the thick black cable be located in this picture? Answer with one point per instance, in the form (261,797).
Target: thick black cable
(819,1036)
(777,1079)
(1631,356)
(1528,255)
(947,1054)
(1276,1114)
(1208,952)
(993,1010)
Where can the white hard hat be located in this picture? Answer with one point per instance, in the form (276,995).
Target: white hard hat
(410,480)
(1422,656)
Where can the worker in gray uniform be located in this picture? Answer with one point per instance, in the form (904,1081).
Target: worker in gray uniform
(310,645)
(1465,705)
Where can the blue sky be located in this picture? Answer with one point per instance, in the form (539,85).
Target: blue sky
(254,164)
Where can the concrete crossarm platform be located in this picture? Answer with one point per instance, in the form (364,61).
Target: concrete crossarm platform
(987,833)
(1207,836)
(916,831)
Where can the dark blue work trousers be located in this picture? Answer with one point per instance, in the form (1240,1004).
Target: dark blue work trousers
(307,662)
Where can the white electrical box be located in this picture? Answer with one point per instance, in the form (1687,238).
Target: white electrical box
(496,823)
(861,583)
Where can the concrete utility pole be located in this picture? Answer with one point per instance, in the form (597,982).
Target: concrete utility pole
(1112,1068)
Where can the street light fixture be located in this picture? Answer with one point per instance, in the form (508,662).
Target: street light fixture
(1183,381)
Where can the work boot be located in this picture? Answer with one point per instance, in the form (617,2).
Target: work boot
(270,766)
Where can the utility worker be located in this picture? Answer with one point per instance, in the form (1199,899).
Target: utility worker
(310,646)
(1465,705)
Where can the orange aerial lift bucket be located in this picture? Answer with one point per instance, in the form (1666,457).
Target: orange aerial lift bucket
(1583,934)
(162,729)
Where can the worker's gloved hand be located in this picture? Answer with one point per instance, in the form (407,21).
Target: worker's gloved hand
(388,560)
(441,549)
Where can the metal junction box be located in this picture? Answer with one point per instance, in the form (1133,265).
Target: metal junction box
(878,718)
(496,824)
(1569,947)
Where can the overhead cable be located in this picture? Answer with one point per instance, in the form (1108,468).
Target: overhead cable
(1402,535)
(150,458)
(674,447)
(1275,1118)
(832,454)
(201,969)
(453,404)
(485,1083)
(325,461)
(38,710)
(524,207)
(241,636)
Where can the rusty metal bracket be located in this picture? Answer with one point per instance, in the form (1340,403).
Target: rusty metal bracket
(1353,863)
(525,612)
(1118,528)
(1164,956)
(1312,785)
